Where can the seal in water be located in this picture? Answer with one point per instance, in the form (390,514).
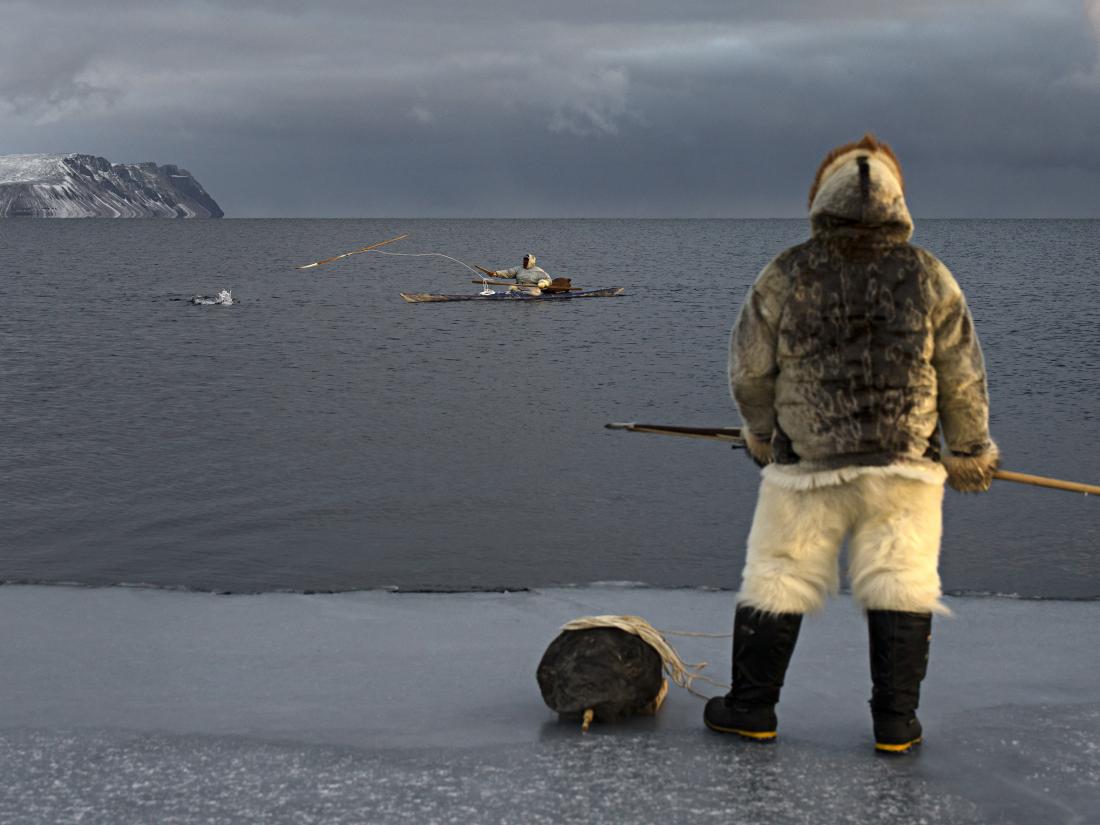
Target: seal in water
(223,298)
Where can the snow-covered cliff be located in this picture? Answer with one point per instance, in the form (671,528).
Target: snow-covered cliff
(86,186)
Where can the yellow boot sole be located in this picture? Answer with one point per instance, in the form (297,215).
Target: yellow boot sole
(903,748)
(754,735)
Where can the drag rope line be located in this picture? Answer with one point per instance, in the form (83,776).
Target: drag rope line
(431,255)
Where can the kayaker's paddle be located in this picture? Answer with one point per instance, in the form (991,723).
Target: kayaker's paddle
(732,435)
(555,283)
(353,252)
(512,282)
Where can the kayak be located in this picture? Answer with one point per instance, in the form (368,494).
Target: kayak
(427,297)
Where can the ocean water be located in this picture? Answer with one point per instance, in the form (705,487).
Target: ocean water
(321,434)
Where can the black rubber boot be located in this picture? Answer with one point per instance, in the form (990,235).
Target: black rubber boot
(899,661)
(762,648)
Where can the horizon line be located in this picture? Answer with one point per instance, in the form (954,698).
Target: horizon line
(616,218)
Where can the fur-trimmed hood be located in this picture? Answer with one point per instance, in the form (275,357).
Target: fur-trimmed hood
(858,192)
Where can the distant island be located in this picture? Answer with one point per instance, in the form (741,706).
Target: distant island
(86,186)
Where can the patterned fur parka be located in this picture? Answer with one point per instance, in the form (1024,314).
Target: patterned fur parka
(852,347)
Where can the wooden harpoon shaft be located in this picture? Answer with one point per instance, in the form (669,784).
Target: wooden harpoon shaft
(733,435)
(353,252)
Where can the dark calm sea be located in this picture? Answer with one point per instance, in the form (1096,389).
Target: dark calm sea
(321,434)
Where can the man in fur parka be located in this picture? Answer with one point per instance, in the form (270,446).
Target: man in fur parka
(852,355)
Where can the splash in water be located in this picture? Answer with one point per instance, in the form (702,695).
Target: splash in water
(223,298)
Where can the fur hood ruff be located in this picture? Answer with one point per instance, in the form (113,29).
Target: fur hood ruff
(860,191)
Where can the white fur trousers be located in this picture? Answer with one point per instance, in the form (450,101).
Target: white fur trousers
(892,518)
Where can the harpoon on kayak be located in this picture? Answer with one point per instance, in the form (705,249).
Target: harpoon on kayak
(427,297)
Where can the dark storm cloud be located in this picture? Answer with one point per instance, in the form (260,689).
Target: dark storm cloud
(490,107)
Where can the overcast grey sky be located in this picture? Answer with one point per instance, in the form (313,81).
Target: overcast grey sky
(565,107)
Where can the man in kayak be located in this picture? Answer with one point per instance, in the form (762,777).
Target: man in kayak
(526,275)
(852,354)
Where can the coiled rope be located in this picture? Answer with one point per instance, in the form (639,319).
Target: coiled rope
(678,671)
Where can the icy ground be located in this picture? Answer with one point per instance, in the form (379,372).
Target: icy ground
(126,706)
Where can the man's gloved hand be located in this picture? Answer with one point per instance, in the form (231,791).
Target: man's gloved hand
(760,449)
(972,473)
